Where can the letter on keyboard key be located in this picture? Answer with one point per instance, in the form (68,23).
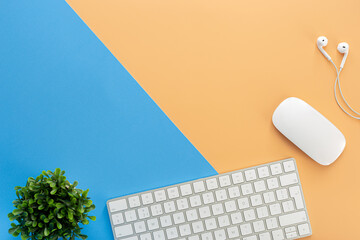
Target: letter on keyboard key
(292,218)
(123,231)
(288,179)
(117,205)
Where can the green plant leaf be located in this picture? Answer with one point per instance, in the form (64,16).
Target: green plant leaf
(17,211)
(92,218)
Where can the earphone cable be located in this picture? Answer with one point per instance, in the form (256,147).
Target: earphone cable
(337,81)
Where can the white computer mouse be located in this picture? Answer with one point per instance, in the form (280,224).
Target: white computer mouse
(309,130)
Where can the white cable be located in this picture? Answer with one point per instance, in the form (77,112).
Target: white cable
(337,81)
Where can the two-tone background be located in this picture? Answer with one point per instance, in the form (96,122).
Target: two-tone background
(217,69)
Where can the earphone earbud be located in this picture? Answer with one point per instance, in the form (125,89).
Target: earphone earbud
(322,42)
(343,48)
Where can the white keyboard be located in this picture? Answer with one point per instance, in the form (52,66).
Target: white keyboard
(258,203)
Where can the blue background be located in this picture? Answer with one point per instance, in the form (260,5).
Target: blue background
(66,102)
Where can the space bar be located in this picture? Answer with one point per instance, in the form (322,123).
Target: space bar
(292,218)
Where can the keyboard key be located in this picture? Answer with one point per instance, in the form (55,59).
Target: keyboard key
(296,194)
(172,233)
(185,190)
(179,218)
(288,179)
(262,212)
(159,235)
(152,224)
(271,223)
(256,200)
(223,221)
(204,212)
(290,229)
(250,175)
(272,183)
(265,236)
(276,169)
(169,207)
(147,198)
(198,227)
(184,230)
(208,197)
(249,215)
(195,201)
(173,192)
(292,218)
(236,218)
(124,230)
(291,235)
(118,205)
(130,216)
(245,229)
(269,197)
(130,238)
(234,192)
(230,206)
(278,234)
(259,186)
(211,184)
(237,177)
(304,229)
(282,194)
(243,203)
(156,210)
(221,195)
(210,224)
(207,236)
(246,189)
(288,206)
(289,166)
(134,201)
(143,213)
(194,238)
(233,232)
(182,204)
(146,236)
(191,215)
(165,221)
(224,181)
(250,238)
(117,218)
(259,226)
(140,227)
(263,172)
(275,209)
(199,187)
(217,209)
(160,196)
(220,234)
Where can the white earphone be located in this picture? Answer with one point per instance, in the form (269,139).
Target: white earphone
(344,49)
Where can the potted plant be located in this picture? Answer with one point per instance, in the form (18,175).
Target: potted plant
(50,207)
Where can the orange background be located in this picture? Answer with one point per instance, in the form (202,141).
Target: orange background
(218,69)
